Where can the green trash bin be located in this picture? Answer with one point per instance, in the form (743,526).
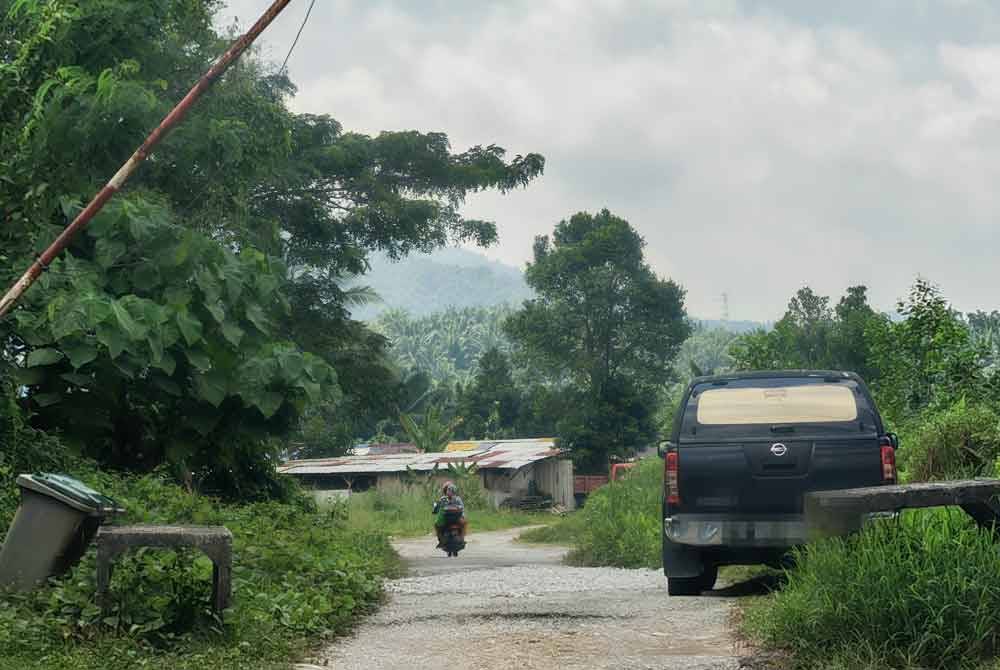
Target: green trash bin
(55,522)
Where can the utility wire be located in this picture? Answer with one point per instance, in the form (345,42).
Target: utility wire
(297,36)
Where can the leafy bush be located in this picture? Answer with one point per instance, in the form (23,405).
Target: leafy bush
(620,523)
(959,442)
(298,575)
(920,592)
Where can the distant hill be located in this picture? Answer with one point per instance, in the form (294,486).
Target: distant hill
(424,284)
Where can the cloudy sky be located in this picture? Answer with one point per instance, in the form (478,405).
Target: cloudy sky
(757,146)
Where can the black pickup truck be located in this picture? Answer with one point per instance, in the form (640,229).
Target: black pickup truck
(745,448)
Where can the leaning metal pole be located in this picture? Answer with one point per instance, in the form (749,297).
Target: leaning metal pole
(175,116)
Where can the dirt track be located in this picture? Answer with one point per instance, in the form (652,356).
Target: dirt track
(501,604)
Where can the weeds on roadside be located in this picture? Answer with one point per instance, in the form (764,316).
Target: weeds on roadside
(923,591)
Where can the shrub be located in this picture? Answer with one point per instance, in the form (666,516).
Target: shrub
(920,592)
(959,442)
(621,521)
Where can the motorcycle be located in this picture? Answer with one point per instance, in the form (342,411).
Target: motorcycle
(452,541)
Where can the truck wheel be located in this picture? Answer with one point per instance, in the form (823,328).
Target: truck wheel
(684,586)
(693,586)
(708,577)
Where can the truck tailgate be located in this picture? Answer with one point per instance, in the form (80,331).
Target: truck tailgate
(763,477)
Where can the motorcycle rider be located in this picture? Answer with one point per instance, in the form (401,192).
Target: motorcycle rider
(449,497)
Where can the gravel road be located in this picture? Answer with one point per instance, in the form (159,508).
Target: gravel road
(501,604)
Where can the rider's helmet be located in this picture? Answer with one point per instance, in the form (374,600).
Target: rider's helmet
(449,489)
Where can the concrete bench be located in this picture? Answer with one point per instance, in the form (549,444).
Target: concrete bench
(216,542)
(839,512)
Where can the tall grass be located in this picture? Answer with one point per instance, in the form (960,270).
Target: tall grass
(923,591)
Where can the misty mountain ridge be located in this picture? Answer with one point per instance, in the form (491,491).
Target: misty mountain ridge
(424,284)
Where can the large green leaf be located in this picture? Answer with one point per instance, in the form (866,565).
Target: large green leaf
(258,318)
(155,346)
(232,333)
(268,403)
(69,322)
(112,338)
(132,329)
(167,363)
(217,310)
(44,357)
(80,354)
(199,359)
(208,284)
(211,387)
(189,326)
(96,307)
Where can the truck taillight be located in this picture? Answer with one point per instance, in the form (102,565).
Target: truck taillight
(670,486)
(888,464)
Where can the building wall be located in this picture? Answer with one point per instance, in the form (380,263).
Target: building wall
(551,476)
(555,477)
(326,498)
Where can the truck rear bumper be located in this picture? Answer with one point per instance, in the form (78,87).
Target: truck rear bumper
(704,530)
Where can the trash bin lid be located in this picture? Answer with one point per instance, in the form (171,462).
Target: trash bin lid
(70,491)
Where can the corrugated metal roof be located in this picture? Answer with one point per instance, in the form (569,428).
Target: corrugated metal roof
(503,454)
(389,448)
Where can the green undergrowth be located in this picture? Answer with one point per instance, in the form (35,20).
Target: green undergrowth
(618,526)
(299,576)
(920,592)
(408,514)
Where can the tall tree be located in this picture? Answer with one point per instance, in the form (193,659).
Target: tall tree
(207,306)
(605,323)
(490,405)
(811,335)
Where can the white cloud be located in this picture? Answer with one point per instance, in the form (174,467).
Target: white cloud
(756,152)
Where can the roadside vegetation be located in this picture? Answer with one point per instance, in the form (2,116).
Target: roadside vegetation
(299,577)
(918,593)
(618,526)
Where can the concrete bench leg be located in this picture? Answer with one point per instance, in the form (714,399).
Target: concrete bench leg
(105,566)
(221,587)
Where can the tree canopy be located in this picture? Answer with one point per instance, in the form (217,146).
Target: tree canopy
(605,326)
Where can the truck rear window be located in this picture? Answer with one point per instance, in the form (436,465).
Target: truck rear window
(813,403)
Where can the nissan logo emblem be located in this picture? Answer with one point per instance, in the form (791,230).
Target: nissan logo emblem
(779,449)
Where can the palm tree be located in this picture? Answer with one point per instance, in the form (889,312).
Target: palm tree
(434,433)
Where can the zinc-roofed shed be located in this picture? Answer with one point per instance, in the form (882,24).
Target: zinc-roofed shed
(507,469)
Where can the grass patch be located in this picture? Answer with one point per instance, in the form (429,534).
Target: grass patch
(299,576)
(920,592)
(408,514)
(565,531)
